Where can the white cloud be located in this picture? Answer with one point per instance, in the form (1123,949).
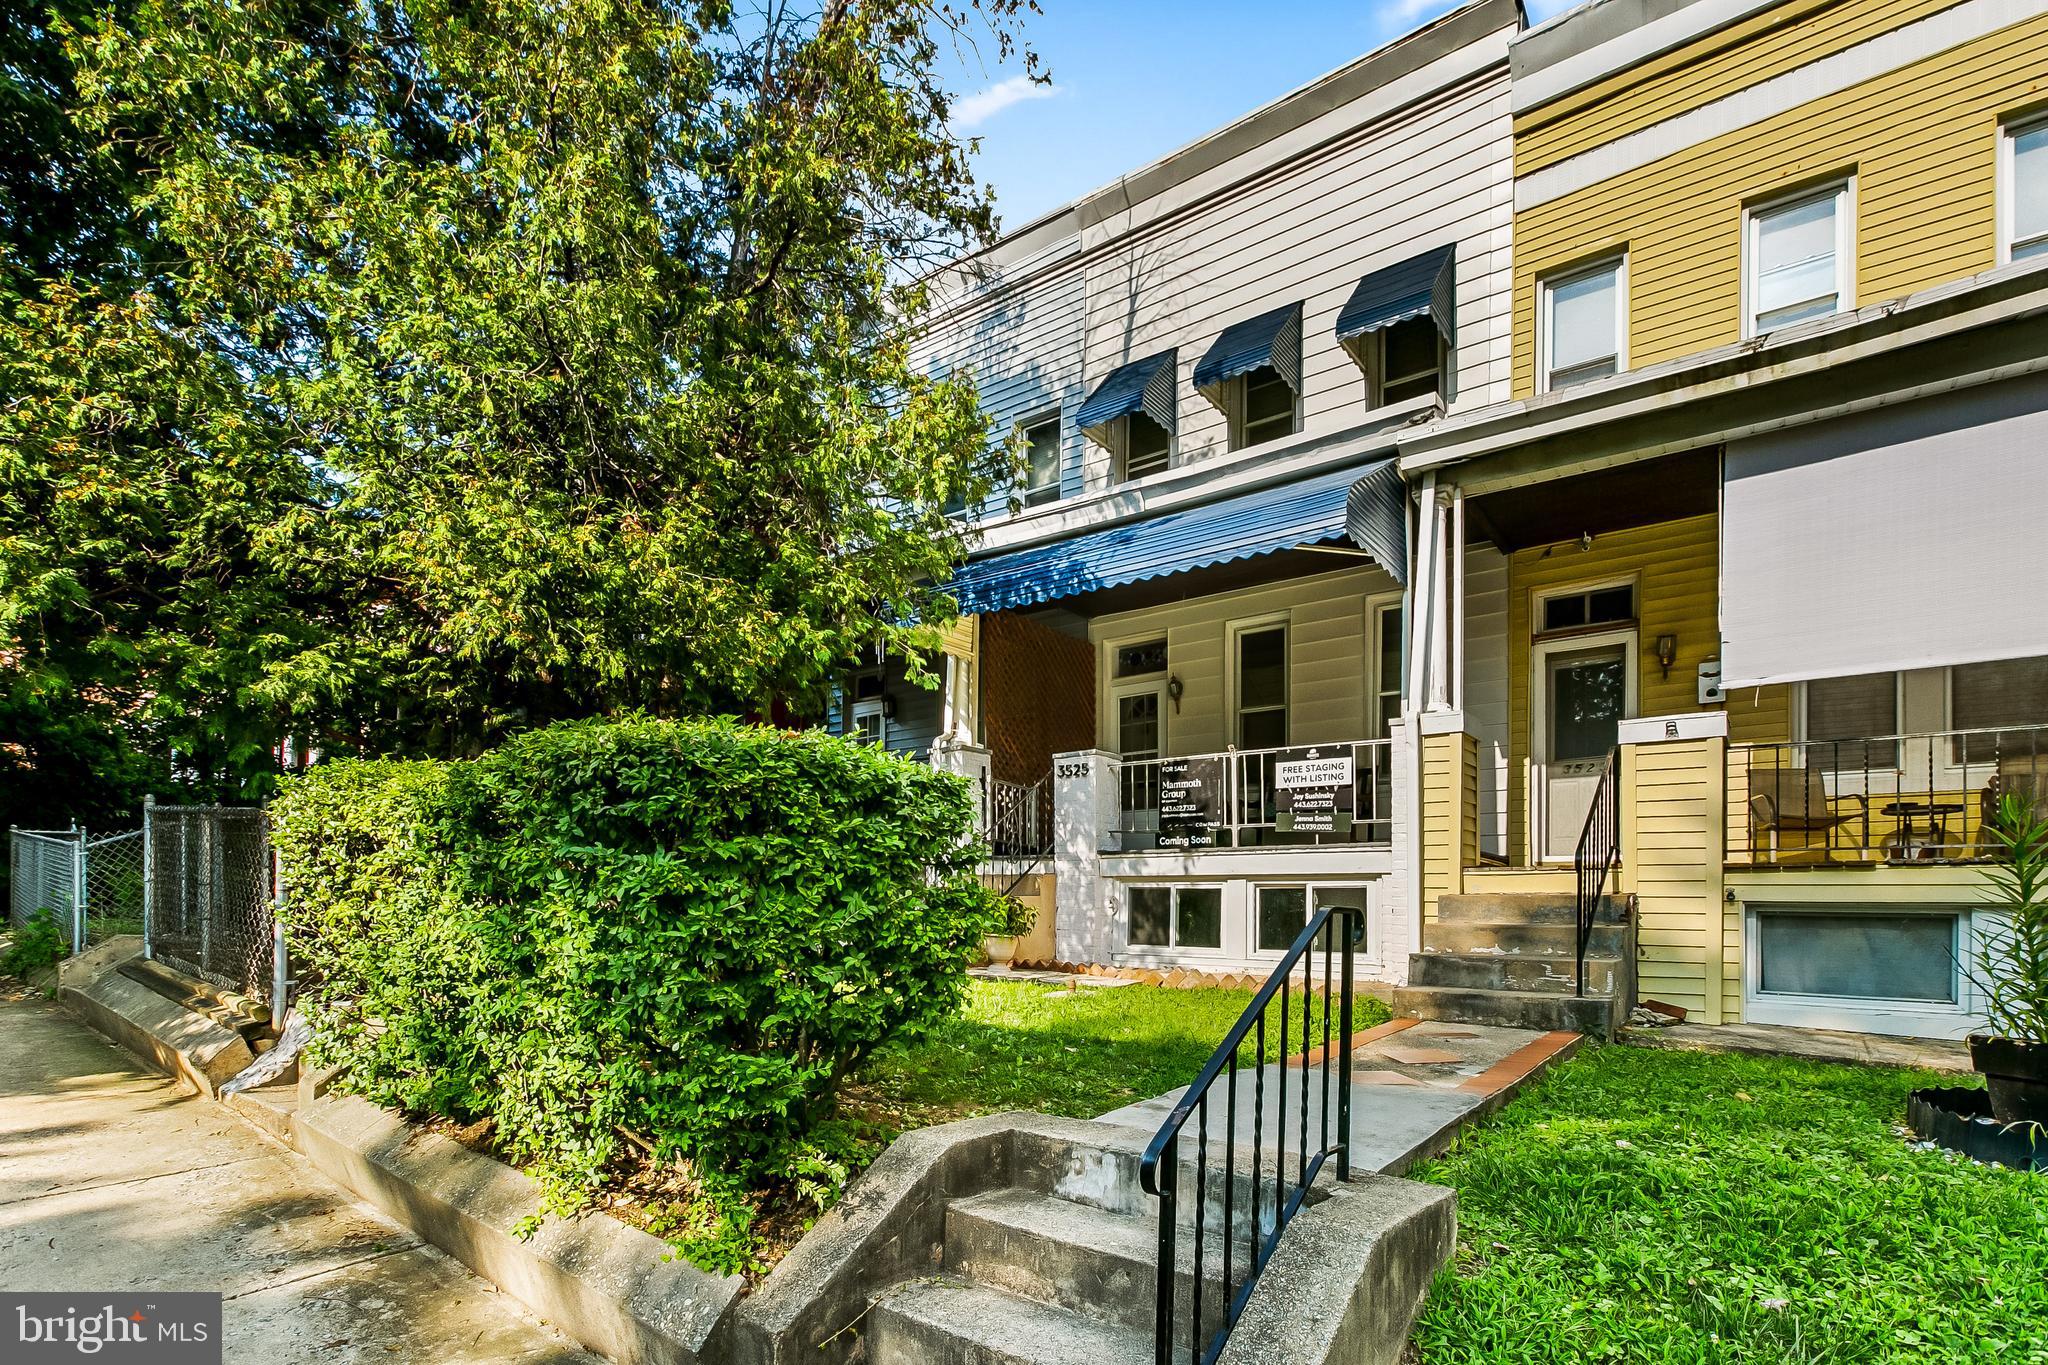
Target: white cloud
(1412,11)
(973,110)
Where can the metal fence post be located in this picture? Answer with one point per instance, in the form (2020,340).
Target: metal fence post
(77,891)
(278,977)
(148,876)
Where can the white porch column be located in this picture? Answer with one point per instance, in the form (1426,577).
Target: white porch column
(1084,800)
(972,762)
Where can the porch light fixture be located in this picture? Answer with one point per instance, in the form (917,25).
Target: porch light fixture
(1173,691)
(1667,652)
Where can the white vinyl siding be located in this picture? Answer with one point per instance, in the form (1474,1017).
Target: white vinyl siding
(1796,259)
(1584,324)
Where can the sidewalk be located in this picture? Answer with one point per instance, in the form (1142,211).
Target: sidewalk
(112,1177)
(1414,1083)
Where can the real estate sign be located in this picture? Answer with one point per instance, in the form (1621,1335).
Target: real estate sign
(1190,802)
(1313,791)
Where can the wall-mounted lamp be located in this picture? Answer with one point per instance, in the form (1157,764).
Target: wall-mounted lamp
(888,707)
(1173,691)
(1667,652)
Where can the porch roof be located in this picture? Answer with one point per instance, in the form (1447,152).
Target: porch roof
(1363,503)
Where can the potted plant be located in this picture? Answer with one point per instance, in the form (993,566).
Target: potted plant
(1001,946)
(2012,966)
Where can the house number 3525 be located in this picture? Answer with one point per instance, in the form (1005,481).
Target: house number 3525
(1073,770)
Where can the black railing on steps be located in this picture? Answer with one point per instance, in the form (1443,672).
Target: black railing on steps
(1598,853)
(1337,929)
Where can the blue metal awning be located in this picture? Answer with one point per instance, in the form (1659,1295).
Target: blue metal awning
(1421,284)
(1145,385)
(1269,339)
(1323,508)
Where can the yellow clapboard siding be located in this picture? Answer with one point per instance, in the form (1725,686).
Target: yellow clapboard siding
(1783,39)
(1922,142)
(1675,565)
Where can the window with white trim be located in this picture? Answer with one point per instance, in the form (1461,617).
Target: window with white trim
(1409,361)
(1266,406)
(1796,258)
(2025,156)
(1584,322)
(1042,461)
(1176,917)
(1262,687)
(1280,913)
(2002,697)
(1144,447)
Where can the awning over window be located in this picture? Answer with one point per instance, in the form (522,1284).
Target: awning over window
(1251,524)
(1903,538)
(1421,284)
(1143,385)
(1269,339)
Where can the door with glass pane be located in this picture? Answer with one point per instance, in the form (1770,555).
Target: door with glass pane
(1260,660)
(1140,739)
(1584,699)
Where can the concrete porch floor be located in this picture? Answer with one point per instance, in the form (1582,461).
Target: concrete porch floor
(1414,1083)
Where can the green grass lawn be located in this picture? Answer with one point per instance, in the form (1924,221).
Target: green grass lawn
(1016,1045)
(1649,1206)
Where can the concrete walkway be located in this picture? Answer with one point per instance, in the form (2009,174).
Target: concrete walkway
(113,1178)
(1413,1085)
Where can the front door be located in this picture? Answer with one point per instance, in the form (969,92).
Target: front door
(1140,738)
(1585,696)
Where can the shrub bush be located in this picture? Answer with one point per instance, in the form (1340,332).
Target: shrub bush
(38,944)
(686,931)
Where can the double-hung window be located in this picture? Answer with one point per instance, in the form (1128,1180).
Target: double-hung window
(1176,917)
(1583,325)
(1269,408)
(1849,723)
(1796,258)
(2024,213)
(1147,447)
(1042,462)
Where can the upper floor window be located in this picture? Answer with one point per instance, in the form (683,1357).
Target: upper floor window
(1797,259)
(1583,324)
(1252,373)
(1147,447)
(1410,362)
(1268,408)
(1042,461)
(2026,190)
(1131,416)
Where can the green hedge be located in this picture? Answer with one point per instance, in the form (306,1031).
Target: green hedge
(688,931)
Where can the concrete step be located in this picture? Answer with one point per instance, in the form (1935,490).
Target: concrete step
(1523,940)
(1525,907)
(1086,1260)
(1503,972)
(1509,1009)
(947,1321)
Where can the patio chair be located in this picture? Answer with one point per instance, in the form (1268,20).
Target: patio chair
(2025,774)
(1796,801)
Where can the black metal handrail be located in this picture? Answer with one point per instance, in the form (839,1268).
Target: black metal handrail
(1338,928)
(1597,855)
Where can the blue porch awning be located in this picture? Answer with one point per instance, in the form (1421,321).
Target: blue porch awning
(1269,339)
(1421,284)
(1143,385)
(1364,500)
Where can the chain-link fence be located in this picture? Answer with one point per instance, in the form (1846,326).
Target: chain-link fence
(42,874)
(209,893)
(113,886)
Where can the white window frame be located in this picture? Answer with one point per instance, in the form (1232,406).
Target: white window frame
(1121,453)
(1176,948)
(1905,1018)
(1381,721)
(1542,597)
(1376,374)
(1364,951)
(1240,416)
(1115,688)
(2009,131)
(1253,625)
(875,709)
(1039,496)
(1848,784)
(1949,770)
(1844,193)
(1547,284)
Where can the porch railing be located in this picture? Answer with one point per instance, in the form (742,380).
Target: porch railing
(1257,797)
(1597,855)
(1903,799)
(1017,820)
(1264,1187)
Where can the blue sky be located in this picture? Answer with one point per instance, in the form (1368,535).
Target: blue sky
(1134,79)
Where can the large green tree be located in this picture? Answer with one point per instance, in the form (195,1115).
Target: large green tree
(491,361)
